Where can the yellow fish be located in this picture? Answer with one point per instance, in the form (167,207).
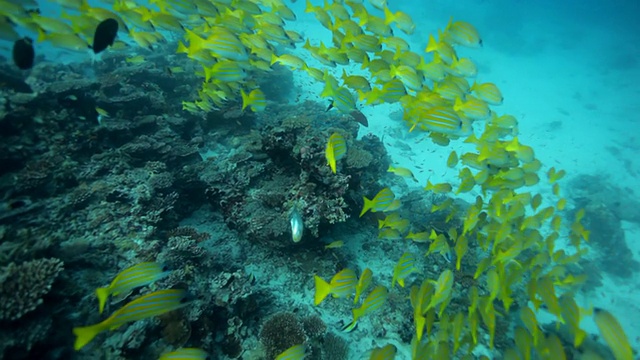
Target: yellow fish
(363,283)
(342,284)
(334,245)
(295,352)
(488,92)
(404,268)
(462,33)
(292,61)
(442,289)
(139,59)
(387,352)
(185,354)
(102,112)
(441,188)
(374,301)
(146,306)
(130,278)
(452,160)
(336,149)
(613,334)
(255,99)
(380,202)
(401,171)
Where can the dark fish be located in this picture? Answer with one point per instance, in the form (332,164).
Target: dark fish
(105,35)
(355,115)
(359,117)
(330,106)
(23,53)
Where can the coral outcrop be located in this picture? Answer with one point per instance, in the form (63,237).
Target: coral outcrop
(23,286)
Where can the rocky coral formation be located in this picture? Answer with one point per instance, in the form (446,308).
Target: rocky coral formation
(334,347)
(281,166)
(280,332)
(606,206)
(101,193)
(23,286)
(283,330)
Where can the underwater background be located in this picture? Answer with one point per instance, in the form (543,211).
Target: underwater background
(274,179)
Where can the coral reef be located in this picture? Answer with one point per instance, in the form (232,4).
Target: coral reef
(314,326)
(606,206)
(283,330)
(23,286)
(277,167)
(280,332)
(334,347)
(102,193)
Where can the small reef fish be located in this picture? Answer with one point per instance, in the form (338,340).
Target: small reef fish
(255,99)
(172,70)
(356,82)
(419,237)
(334,245)
(105,35)
(395,205)
(23,53)
(336,149)
(102,112)
(292,61)
(441,188)
(387,352)
(144,307)
(402,20)
(401,171)
(572,316)
(70,42)
(405,267)
(363,284)
(378,4)
(389,234)
(394,221)
(374,301)
(472,108)
(462,33)
(130,278)
(297,225)
(613,334)
(554,175)
(380,202)
(452,160)
(442,289)
(295,352)
(359,117)
(342,98)
(139,59)
(185,354)
(488,92)
(343,284)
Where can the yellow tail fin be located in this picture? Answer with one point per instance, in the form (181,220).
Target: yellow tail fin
(323,289)
(368,204)
(103,296)
(85,334)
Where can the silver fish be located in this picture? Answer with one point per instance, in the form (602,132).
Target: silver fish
(297,226)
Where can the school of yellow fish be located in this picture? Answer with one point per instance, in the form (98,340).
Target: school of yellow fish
(233,40)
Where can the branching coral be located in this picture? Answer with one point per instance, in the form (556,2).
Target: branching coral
(23,286)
